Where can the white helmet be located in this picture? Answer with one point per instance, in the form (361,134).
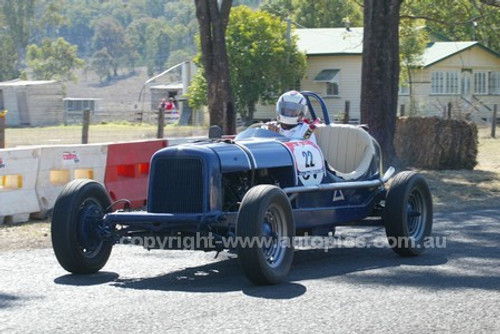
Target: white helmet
(291,108)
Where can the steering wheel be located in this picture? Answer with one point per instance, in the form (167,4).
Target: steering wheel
(308,95)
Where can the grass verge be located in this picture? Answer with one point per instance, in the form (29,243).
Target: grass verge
(98,133)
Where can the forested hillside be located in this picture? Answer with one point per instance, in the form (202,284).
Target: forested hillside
(111,36)
(95,44)
(41,38)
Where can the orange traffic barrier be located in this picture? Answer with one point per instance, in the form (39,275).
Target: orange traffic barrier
(127,171)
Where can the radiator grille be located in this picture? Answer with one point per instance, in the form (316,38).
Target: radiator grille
(177,186)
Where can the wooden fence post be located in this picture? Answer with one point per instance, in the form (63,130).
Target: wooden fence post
(2,132)
(161,123)
(346,112)
(85,126)
(494,122)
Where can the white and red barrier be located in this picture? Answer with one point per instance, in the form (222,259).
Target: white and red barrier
(18,176)
(62,164)
(32,178)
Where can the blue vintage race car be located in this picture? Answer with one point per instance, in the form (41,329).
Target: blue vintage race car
(253,195)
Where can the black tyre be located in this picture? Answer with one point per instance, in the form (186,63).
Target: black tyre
(76,224)
(408,214)
(265,218)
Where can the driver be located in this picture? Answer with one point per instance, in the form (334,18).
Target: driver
(290,111)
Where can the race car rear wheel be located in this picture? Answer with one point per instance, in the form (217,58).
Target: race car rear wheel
(265,232)
(408,214)
(77,228)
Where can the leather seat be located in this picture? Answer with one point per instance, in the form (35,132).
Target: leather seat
(348,149)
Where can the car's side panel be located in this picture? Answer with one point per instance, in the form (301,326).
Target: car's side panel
(341,209)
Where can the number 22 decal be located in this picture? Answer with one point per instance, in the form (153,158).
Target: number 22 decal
(309,158)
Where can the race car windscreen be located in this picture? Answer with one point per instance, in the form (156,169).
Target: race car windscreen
(258,133)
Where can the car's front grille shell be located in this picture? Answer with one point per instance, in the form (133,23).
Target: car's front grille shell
(177,185)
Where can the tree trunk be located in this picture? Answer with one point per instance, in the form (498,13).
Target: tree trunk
(213,17)
(380,73)
(413,102)
(251,112)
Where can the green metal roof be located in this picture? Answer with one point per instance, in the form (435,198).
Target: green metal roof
(440,51)
(328,41)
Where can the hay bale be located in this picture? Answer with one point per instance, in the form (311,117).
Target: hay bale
(434,143)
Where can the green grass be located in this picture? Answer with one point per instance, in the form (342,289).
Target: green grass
(98,133)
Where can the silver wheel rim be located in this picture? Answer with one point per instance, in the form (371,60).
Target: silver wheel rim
(273,231)
(89,251)
(416,215)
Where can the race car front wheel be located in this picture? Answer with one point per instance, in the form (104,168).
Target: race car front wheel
(77,228)
(408,214)
(265,232)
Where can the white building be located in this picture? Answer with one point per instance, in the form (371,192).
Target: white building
(463,75)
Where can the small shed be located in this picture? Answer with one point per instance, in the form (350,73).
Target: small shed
(74,107)
(32,103)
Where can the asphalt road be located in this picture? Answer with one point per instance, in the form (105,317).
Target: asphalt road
(452,289)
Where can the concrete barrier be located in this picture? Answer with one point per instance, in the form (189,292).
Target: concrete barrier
(18,175)
(62,164)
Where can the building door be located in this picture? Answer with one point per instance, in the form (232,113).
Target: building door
(22,108)
(466,87)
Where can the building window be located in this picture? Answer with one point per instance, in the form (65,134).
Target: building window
(494,85)
(332,88)
(444,83)
(331,78)
(437,83)
(76,105)
(480,86)
(451,83)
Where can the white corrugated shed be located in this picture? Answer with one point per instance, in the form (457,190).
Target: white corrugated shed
(32,103)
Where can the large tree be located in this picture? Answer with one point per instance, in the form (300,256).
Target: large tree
(18,16)
(53,60)
(327,13)
(213,18)
(263,62)
(157,46)
(318,13)
(137,34)
(458,20)
(380,72)
(8,58)
(110,35)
